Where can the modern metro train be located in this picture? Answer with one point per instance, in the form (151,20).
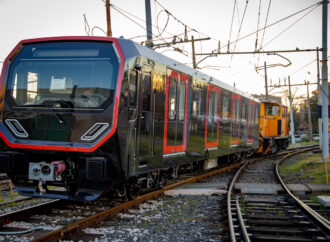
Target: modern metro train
(80,116)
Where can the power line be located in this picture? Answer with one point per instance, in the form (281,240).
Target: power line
(232,20)
(239,30)
(263,34)
(290,26)
(256,44)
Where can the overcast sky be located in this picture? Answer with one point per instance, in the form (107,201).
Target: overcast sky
(23,19)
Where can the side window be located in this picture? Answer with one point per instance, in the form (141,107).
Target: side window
(182,100)
(225,107)
(171,98)
(210,111)
(196,109)
(250,114)
(216,113)
(132,88)
(146,93)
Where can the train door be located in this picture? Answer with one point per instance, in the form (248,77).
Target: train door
(144,117)
(176,104)
(235,119)
(251,110)
(212,117)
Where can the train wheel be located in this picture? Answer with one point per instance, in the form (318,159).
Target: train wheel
(133,191)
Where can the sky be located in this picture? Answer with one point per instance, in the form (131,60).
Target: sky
(24,19)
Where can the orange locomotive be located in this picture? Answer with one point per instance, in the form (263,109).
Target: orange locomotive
(273,127)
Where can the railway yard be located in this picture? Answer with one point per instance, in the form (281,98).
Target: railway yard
(260,209)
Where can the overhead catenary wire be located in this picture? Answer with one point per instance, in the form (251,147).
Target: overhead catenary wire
(256,43)
(291,25)
(263,34)
(240,28)
(268,26)
(232,21)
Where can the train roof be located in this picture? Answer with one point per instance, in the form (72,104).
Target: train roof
(175,65)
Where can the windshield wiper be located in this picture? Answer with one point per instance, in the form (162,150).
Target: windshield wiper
(50,108)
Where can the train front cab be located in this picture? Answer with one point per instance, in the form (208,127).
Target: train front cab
(273,127)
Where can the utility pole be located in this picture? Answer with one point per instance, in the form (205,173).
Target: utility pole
(193,52)
(319,98)
(325,141)
(149,24)
(107,8)
(266,82)
(309,114)
(293,141)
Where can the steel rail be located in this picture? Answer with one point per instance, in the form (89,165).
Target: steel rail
(30,211)
(241,221)
(95,219)
(316,216)
(229,193)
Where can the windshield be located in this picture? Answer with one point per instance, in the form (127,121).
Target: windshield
(272,110)
(74,75)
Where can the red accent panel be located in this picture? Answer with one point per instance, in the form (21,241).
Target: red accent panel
(252,114)
(215,143)
(235,140)
(115,115)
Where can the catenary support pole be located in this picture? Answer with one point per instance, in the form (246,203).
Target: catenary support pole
(107,8)
(266,82)
(149,24)
(310,137)
(293,141)
(319,98)
(193,52)
(325,102)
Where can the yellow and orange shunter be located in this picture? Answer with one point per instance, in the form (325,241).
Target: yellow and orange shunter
(273,127)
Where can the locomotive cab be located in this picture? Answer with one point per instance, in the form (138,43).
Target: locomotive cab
(59,103)
(273,127)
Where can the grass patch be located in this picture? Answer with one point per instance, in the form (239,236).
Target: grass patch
(302,143)
(309,167)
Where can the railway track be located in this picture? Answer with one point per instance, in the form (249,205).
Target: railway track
(57,220)
(83,215)
(281,217)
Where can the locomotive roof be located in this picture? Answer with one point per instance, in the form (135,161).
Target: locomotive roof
(175,65)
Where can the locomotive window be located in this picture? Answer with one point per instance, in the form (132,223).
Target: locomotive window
(272,110)
(182,100)
(171,98)
(132,88)
(284,112)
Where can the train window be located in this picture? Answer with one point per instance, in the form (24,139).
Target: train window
(250,114)
(284,112)
(171,98)
(65,75)
(132,88)
(216,100)
(225,102)
(196,109)
(272,110)
(243,112)
(182,100)
(146,93)
(210,111)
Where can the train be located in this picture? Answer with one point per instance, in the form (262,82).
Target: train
(81,116)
